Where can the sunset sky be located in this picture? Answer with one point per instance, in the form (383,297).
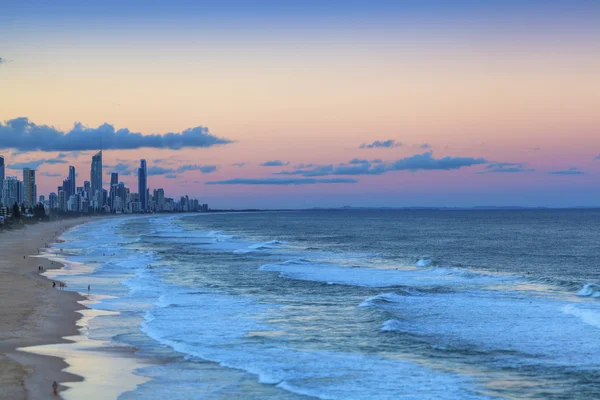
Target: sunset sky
(310,103)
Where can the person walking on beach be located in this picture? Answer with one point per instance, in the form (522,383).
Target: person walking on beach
(53,284)
(88,288)
(55,388)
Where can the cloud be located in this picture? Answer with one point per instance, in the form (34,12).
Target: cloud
(121,168)
(23,135)
(151,171)
(55,161)
(417,162)
(381,144)
(49,174)
(377,161)
(274,163)
(205,169)
(34,164)
(507,167)
(570,171)
(598,157)
(425,146)
(426,162)
(280,181)
(510,170)
(170,176)
(315,170)
(358,161)
(240,164)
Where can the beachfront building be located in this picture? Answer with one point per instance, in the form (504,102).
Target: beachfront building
(1,178)
(159,200)
(72,185)
(52,201)
(143,184)
(12,190)
(29,187)
(62,200)
(96,181)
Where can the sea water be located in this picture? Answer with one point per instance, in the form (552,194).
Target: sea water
(350,304)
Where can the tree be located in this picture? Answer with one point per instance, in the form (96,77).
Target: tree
(39,211)
(16,214)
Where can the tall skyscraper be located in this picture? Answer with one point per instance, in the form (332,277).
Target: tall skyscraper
(114,178)
(143,185)
(72,185)
(29,187)
(96,179)
(1,178)
(11,191)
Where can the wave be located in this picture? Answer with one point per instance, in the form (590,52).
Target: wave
(390,298)
(392,325)
(589,290)
(424,262)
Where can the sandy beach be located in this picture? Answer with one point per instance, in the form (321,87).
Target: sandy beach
(32,312)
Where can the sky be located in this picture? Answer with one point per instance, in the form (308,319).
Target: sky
(271,104)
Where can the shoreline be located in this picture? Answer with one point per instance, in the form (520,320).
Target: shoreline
(33,313)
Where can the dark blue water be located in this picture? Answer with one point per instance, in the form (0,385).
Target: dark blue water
(353,304)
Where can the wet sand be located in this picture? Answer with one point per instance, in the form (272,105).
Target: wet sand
(33,313)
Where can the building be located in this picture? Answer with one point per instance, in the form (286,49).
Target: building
(143,185)
(12,191)
(1,177)
(62,200)
(159,199)
(114,178)
(87,187)
(72,185)
(73,203)
(53,201)
(96,181)
(29,187)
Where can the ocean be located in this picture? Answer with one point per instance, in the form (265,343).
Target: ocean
(349,304)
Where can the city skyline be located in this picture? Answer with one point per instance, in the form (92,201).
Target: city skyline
(319,104)
(91,196)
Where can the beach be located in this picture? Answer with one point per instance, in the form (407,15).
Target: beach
(284,305)
(32,312)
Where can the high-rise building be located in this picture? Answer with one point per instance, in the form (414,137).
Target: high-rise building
(72,185)
(143,185)
(62,201)
(53,201)
(1,178)
(29,187)
(114,178)
(11,191)
(159,199)
(96,180)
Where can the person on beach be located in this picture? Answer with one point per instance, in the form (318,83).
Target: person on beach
(88,288)
(53,284)
(55,388)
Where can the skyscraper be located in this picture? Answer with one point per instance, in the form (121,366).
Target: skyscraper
(11,191)
(1,178)
(29,187)
(72,185)
(143,185)
(114,178)
(96,179)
